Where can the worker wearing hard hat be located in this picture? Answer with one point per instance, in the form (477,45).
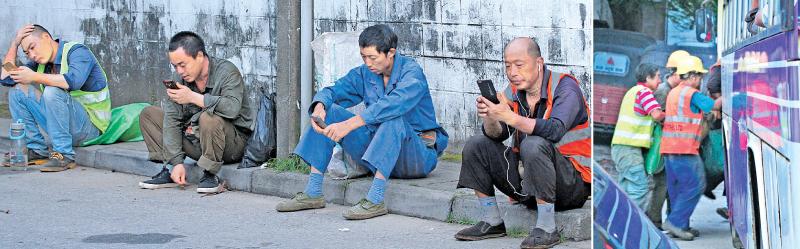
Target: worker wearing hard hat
(659,178)
(679,146)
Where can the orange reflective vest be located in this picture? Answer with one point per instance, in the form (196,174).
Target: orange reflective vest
(682,127)
(576,144)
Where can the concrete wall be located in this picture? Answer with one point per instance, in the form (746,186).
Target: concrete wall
(130,37)
(456,41)
(460,41)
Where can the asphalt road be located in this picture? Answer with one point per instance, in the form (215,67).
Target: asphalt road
(90,208)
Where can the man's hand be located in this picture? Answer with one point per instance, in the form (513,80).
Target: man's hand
(22,33)
(500,112)
(319,111)
(183,95)
(179,174)
(24,75)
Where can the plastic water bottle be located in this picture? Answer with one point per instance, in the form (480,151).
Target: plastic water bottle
(18,156)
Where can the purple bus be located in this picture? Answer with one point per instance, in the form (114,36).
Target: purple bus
(761,122)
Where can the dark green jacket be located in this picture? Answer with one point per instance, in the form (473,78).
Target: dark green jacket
(224,97)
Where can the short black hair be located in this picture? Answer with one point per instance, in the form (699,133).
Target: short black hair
(645,70)
(38,30)
(381,36)
(189,41)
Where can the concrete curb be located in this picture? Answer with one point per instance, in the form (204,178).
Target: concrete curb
(404,197)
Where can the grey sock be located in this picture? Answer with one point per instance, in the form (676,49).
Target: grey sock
(545,217)
(490,211)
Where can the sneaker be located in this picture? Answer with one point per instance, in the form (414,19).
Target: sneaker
(481,231)
(160,180)
(723,212)
(57,163)
(541,239)
(209,183)
(694,232)
(364,209)
(301,201)
(677,232)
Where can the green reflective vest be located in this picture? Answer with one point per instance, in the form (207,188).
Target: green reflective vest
(632,129)
(97,104)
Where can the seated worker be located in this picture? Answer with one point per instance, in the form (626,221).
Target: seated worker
(679,147)
(633,132)
(62,90)
(207,117)
(396,135)
(548,165)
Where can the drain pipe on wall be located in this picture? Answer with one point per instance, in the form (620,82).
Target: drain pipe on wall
(306,60)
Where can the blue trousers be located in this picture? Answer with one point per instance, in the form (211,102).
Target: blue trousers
(64,119)
(686,181)
(392,148)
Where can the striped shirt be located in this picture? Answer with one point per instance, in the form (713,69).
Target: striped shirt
(645,102)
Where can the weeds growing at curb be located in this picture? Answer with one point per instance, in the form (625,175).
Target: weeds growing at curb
(450,157)
(517,233)
(461,220)
(291,164)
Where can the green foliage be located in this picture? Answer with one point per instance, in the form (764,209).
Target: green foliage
(450,157)
(291,164)
(462,220)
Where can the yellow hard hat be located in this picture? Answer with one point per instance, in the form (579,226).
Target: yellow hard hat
(691,64)
(675,58)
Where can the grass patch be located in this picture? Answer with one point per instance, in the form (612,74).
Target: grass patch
(450,157)
(4,112)
(517,233)
(461,220)
(290,164)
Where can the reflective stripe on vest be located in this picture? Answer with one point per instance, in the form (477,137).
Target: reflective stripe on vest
(681,126)
(632,129)
(576,144)
(97,104)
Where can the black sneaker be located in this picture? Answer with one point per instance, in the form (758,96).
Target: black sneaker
(541,239)
(160,180)
(209,183)
(481,231)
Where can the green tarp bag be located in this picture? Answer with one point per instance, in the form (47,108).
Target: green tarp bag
(713,155)
(652,163)
(124,126)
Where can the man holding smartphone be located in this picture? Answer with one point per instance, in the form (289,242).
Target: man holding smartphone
(548,165)
(62,90)
(395,136)
(207,117)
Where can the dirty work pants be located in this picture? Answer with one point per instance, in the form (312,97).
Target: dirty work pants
(219,141)
(547,175)
(632,177)
(686,181)
(392,147)
(656,207)
(64,119)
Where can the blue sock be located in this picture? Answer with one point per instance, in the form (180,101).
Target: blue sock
(375,194)
(314,186)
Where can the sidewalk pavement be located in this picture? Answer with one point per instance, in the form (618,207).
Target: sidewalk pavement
(434,197)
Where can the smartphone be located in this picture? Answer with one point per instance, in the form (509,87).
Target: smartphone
(170,84)
(319,121)
(487,90)
(9,67)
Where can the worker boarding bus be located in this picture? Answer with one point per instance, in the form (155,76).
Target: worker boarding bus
(761,121)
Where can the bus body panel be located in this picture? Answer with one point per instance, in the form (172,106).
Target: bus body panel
(762,114)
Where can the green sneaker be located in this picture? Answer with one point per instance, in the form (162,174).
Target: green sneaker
(300,201)
(364,209)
